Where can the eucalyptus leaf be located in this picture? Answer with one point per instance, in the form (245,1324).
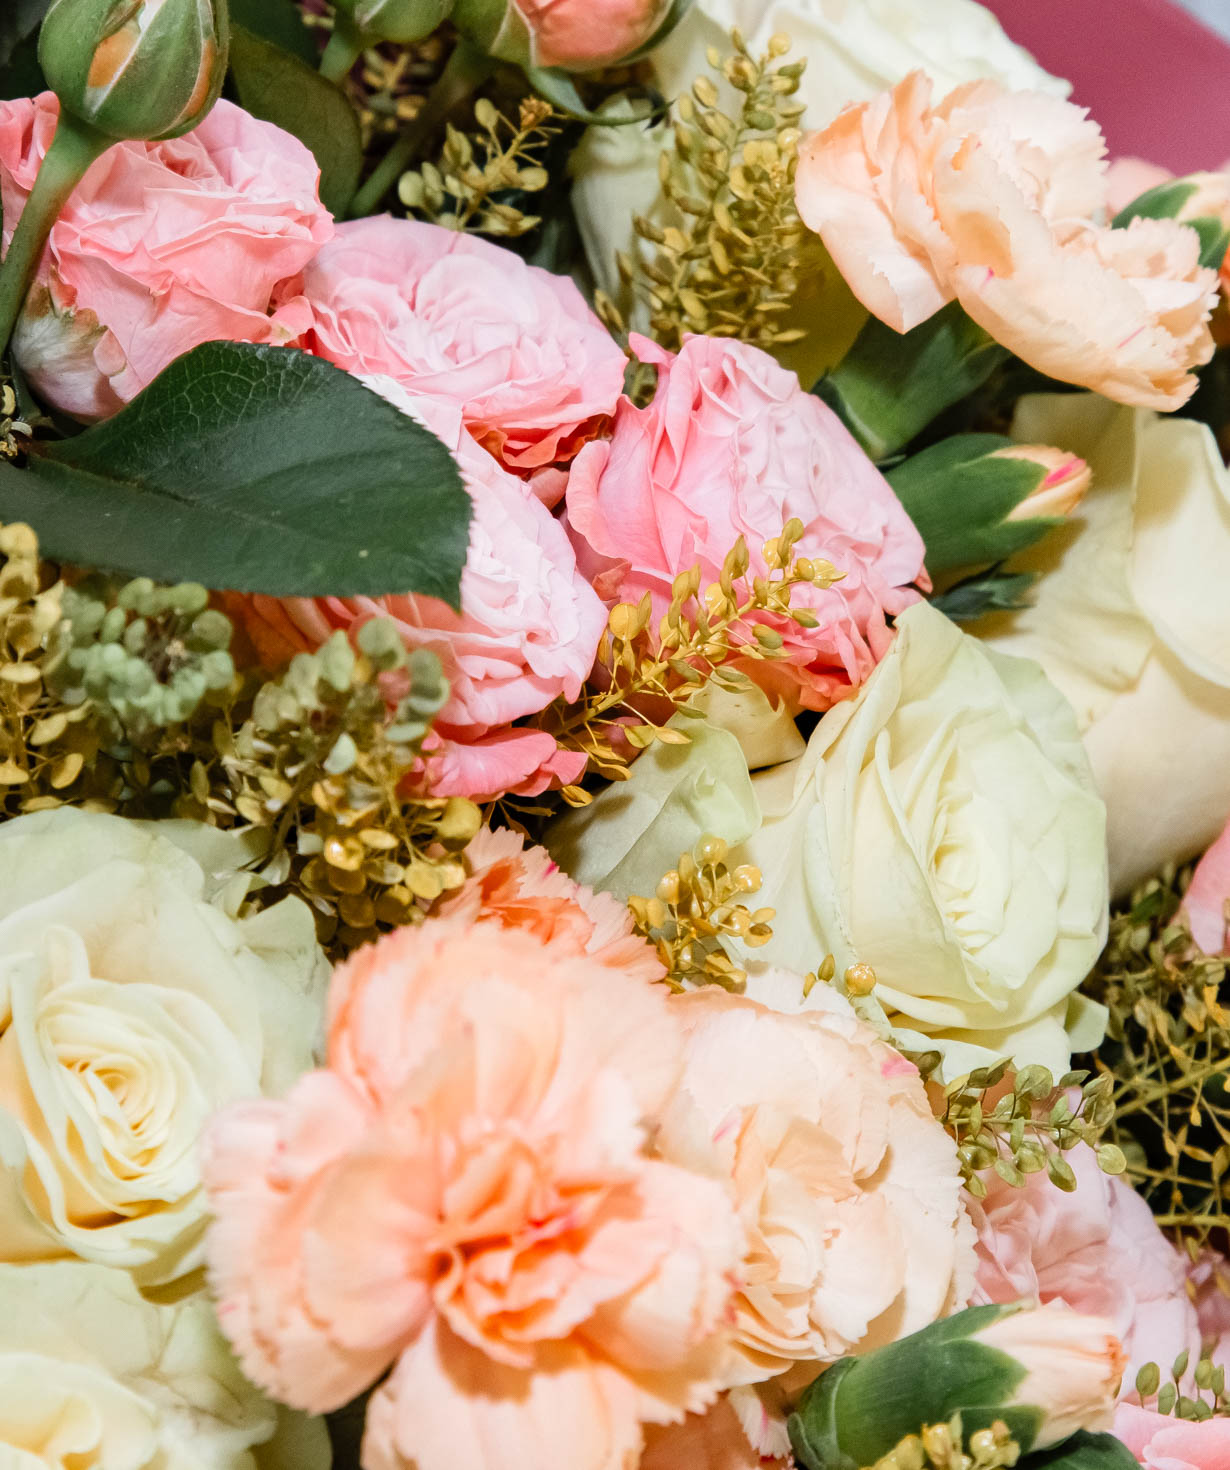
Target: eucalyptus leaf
(277,86)
(258,469)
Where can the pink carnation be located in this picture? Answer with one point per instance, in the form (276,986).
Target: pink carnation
(1097,1250)
(731,446)
(447,316)
(161,247)
(995,199)
(1163,1442)
(528,632)
(466,1197)
(521,887)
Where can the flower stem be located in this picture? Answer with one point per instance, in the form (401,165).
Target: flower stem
(73,149)
(467,68)
(344,48)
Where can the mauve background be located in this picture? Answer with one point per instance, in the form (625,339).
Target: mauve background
(1154,77)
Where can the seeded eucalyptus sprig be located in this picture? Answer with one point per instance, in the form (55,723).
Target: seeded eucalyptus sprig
(1202,1395)
(1028,1126)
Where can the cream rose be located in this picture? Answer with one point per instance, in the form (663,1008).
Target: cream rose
(94,1376)
(1131,621)
(854,49)
(942,826)
(131,1009)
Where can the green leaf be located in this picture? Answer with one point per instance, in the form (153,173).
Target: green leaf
(23,76)
(1083,1451)
(890,386)
(959,495)
(560,91)
(279,21)
(990,592)
(18,19)
(278,87)
(259,469)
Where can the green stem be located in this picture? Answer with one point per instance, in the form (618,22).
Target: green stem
(75,146)
(467,69)
(346,45)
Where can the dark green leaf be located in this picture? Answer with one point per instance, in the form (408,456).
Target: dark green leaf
(278,87)
(959,496)
(890,386)
(23,76)
(254,468)
(1084,1451)
(279,21)
(560,90)
(988,593)
(18,19)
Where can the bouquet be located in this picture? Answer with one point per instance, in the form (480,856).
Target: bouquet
(615,716)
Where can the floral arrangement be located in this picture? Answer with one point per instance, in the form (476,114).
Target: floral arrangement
(614,745)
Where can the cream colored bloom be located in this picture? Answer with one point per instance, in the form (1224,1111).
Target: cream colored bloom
(94,1376)
(1131,621)
(131,1009)
(853,48)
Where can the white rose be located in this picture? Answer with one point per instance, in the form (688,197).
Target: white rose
(1131,620)
(942,827)
(94,1376)
(131,1009)
(854,49)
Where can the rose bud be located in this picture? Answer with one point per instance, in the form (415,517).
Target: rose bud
(135,69)
(576,35)
(1066,478)
(1042,1372)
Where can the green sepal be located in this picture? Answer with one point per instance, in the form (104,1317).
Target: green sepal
(959,497)
(859,1410)
(890,386)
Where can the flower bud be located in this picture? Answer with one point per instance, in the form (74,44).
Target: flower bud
(1066,478)
(139,69)
(1044,1372)
(401,21)
(575,35)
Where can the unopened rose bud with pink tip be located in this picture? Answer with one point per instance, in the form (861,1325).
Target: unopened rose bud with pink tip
(576,35)
(1066,478)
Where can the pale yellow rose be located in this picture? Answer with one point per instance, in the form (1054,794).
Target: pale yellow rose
(95,1377)
(1131,621)
(942,827)
(131,1008)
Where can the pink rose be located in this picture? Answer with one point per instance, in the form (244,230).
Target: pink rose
(730,446)
(582,34)
(1204,903)
(994,199)
(1096,1250)
(527,632)
(447,316)
(1161,1442)
(161,247)
(466,1196)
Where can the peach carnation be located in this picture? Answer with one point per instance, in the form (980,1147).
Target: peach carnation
(452,317)
(527,632)
(162,246)
(991,198)
(519,886)
(466,1196)
(847,1187)
(731,446)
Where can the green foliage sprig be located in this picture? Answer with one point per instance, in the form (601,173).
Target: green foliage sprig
(1200,1396)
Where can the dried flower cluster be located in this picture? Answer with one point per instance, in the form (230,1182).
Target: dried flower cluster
(1028,1125)
(14,431)
(729,261)
(1167,1042)
(702,635)
(463,189)
(943,1447)
(695,906)
(1206,1400)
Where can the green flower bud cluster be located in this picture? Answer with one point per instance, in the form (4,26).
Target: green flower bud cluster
(145,658)
(1196,1396)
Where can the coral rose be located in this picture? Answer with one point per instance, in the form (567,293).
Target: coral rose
(522,887)
(1163,1442)
(1097,1250)
(577,35)
(527,632)
(161,247)
(847,1187)
(466,1196)
(447,316)
(731,446)
(990,198)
